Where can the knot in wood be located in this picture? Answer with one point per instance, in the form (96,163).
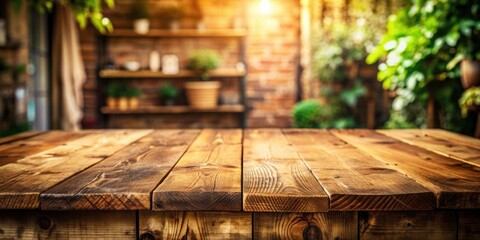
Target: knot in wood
(147,236)
(44,223)
(312,232)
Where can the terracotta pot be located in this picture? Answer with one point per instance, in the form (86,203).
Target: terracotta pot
(112,102)
(123,104)
(202,95)
(470,73)
(133,103)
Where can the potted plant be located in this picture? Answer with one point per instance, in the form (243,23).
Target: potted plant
(139,14)
(172,14)
(203,93)
(470,100)
(122,103)
(112,91)
(168,94)
(132,95)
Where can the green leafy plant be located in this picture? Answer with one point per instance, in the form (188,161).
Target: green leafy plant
(133,92)
(168,91)
(421,50)
(113,90)
(202,61)
(83,10)
(470,98)
(139,10)
(308,114)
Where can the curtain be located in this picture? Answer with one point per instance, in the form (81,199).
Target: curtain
(68,70)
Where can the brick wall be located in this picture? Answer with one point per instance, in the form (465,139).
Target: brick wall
(272,52)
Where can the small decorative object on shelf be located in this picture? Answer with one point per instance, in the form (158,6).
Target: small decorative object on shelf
(139,14)
(155,61)
(112,92)
(168,94)
(203,93)
(170,64)
(132,65)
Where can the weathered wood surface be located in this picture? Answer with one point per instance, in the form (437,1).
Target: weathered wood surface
(408,225)
(22,182)
(13,151)
(275,178)
(332,225)
(67,225)
(455,183)
(354,180)
(469,225)
(125,180)
(207,177)
(19,136)
(195,225)
(468,152)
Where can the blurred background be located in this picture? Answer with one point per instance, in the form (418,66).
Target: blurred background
(239,63)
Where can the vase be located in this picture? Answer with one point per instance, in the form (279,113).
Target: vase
(470,73)
(141,26)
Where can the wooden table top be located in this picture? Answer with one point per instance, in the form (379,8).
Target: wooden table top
(259,170)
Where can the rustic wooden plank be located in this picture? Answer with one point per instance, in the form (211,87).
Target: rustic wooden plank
(22,182)
(354,180)
(408,225)
(469,225)
(13,151)
(67,225)
(452,137)
(456,184)
(125,180)
(195,225)
(19,136)
(331,225)
(447,147)
(207,177)
(275,178)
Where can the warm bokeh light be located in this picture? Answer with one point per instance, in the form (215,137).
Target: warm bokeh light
(265,7)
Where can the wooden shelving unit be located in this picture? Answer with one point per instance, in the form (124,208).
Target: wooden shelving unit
(175,109)
(109,75)
(181,74)
(181,33)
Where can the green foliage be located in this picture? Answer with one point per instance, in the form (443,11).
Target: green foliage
(15,129)
(133,92)
(83,10)
(469,99)
(168,91)
(203,61)
(139,10)
(421,50)
(113,90)
(308,114)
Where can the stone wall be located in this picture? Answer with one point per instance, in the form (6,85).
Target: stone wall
(272,56)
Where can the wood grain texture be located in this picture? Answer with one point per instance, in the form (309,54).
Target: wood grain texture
(408,225)
(207,177)
(275,178)
(444,146)
(195,225)
(354,180)
(456,184)
(13,151)
(125,180)
(332,225)
(19,136)
(22,182)
(67,225)
(469,225)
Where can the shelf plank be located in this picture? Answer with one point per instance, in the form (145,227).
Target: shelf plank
(180,74)
(175,109)
(180,33)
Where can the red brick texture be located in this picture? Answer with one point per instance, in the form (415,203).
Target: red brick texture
(272,55)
